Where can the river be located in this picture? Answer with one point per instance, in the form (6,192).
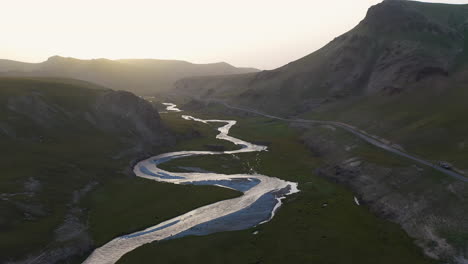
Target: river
(261,198)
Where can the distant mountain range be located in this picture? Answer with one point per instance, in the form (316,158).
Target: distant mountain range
(401,74)
(141,76)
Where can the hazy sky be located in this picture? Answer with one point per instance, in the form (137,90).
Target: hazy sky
(259,33)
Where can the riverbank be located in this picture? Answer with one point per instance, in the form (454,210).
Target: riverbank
(260,201)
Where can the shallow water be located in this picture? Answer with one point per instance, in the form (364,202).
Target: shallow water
(261,198)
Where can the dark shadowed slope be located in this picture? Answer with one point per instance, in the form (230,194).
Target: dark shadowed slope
(61,141)
(145,76)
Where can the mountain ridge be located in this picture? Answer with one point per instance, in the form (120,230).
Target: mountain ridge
(398,44)
(142,76)
(401,75)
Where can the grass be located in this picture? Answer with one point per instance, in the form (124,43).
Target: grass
(60,172)
(303,231)
(128,205)
(194,135)
(445,14)
(427,121)
(54,156)
(227,164)
(68,156)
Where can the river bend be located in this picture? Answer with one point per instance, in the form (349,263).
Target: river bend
(261,198)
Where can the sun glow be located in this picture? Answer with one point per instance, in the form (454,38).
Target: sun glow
(261,33)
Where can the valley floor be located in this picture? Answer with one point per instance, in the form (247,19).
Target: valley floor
(321,224)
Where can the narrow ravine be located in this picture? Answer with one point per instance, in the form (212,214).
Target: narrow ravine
(261,198)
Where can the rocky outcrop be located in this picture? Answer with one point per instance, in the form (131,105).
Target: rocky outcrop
(403,63)
(123,112)
(120,113)
(427,207)
(72,139)
(35,107)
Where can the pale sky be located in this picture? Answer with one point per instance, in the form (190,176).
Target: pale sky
(259,33)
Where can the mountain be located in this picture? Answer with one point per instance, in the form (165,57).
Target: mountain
(401,75)
(142,76)
(48,105)
(398,45)
(11,66)
(63,141)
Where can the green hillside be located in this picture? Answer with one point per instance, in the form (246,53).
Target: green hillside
(66,185)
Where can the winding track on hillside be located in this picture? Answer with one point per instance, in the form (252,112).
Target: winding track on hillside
(362,134)
(261,198)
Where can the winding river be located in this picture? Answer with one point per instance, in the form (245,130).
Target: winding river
(261,198)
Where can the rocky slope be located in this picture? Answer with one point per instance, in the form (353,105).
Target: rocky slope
(121,113)
(143,76)
(63,140)
(396,46)
(400,74)
(429,207)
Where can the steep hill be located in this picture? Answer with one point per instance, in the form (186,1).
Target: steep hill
(62,140)
(397,45)
(401,74)
(143,76)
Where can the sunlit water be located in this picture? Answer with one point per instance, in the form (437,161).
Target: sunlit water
(261,198)
(172,107)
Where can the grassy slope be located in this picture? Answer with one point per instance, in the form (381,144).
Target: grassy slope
(302,231)
(193,135)
(429,121)
(51,162)
(344,66)
(60,172)
(129,205)
(391,183)
(454,16)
